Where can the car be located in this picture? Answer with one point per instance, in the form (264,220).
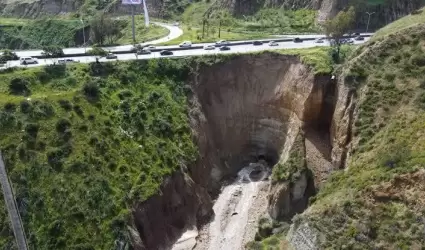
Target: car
(320,40)
(297,40)
(176,24)
(27,60)
(223,48)
(67,60)
(209,47)
(149,47)
(359,38)
(273,43)
(166,53)
(111,56)
(144,52)
(221,43)
(256,43)
(185,44)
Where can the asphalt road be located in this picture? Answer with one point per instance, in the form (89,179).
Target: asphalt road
(191,52)
(236,47)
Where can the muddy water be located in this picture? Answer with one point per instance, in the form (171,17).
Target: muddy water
(237,210)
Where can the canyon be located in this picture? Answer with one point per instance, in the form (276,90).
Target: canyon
(250,109)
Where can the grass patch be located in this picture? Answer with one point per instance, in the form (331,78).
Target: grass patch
(319,58)
(143,33)
(292,169)
(411,20)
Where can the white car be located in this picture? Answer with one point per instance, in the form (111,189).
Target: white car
(27,60)
(185,44)
(273,43)
(221,43)
(150,47)
(209,47)
(320,40)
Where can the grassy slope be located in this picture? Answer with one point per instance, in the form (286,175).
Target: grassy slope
(78,163)
(403,23)
(366,206)
(261,25)
(62,32)
(143,33)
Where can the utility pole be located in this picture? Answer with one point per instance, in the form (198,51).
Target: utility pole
(203,27)
(84,35)
(368,20)
(132,24)
(219,28)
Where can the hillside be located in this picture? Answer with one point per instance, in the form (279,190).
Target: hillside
(376,201)
(84,144)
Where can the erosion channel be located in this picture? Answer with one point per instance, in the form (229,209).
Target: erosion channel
(263,125)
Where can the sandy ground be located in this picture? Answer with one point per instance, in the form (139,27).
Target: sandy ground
(229,230)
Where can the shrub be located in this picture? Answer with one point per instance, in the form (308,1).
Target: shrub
(65,104)
(32,129)
(418,60)
(79,110)
(25,107)
(52,51)
(8,55)
(92,91)
(10,107)
(62,125)
(97,51)
(19,86)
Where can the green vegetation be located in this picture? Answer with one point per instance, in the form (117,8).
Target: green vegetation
(86,143)
(367,205)
(202,23)
(40,33)
(143,33)
(416,18)
(13,21)
(292,169)
(319,57)
(336,27)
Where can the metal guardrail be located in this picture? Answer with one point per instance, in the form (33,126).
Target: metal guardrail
(12,208)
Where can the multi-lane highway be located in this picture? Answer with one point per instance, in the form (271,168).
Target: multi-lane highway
(197,49)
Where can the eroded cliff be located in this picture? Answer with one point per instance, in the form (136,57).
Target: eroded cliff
(244,109)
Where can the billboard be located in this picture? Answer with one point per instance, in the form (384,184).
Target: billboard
(131,1)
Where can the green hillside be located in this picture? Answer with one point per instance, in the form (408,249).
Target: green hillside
(82,143)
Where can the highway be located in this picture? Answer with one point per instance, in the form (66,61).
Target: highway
(123,53)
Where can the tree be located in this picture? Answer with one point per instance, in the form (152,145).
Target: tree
(52,51)
(8,55)
(336,27)
(105,29)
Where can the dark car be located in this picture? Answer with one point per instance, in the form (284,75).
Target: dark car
(256,43)
(224,48)
(144,52)
(111,56)
(359,38)
(298,40)
(166,53)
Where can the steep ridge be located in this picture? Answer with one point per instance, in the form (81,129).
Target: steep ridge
(377,137)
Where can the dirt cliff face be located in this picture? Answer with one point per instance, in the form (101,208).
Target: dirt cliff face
(160,220)
(246,108)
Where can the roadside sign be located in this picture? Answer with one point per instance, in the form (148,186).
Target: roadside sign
(131,1)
